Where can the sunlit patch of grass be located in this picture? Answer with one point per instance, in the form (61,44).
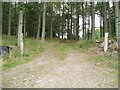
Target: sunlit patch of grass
(32,48)
(63,49)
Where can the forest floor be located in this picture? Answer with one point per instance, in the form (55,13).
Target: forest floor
(48,71)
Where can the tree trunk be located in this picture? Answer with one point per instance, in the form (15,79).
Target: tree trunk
(44,20)
(62,21)
(51,31)
(105,26)
(68,27)
(119,35)
(101,28)
(71,22)
(85,28)
(105,18)
(1,16)
(15,21)
(24,23)
(20,24)
(39,24)
(88,37)
(116,18)
(109,21)
(9,22)
(77,29)
(83,21)
(93,21)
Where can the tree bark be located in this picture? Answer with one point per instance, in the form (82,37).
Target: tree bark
(1,24)
(119,37)
(20,26)
(63,21)
(101,33)
(24,23)
(39,24)
(44,20)
(109,21)
(77,28)
(71,22)
(116,19)
(83,20)
(105,26)
(51,31)
(93,21)
(9,22)
(88,37)
(105,18)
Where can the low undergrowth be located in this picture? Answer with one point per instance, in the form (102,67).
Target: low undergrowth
(110,58)
(83,45)
(63,49)
(32,48)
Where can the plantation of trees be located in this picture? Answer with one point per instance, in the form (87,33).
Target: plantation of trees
(48,39)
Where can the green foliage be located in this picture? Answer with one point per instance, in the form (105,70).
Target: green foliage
(84,44)
(62,48)
(111,59)
(97,31)
(32,48)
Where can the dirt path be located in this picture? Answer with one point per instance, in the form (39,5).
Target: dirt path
(49,72)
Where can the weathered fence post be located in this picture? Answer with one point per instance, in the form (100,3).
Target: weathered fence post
(21,44)
(106,42)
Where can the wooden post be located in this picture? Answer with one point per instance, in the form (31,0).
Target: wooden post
(21,44)
(106,42)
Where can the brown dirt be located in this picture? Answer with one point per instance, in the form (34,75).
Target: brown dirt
(47,71)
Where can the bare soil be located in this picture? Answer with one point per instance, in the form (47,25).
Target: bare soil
(47,71)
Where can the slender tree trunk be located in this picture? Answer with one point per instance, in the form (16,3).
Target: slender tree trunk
(93,21)
(63,21)
(44,20)
(105,18)
(83,19)
(105,25)
(116,20)
(68,27)
(119,38)
(109,21)
(20,34)
(15,21)
(71,22)
(20,24)
(51,29)
(119,25)
(24,23)
(39,24)
(88,37)
(1,16)
(77,29)
(85,28)
(101,28)
(9,22)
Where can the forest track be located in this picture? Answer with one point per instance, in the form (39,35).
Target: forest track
(47,71)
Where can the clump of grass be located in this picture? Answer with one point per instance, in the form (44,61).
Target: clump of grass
(111,59)
(84,44)
(62,51)
(32,48)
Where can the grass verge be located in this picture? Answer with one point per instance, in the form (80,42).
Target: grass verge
(63,49)
(32,48)
(110,59)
